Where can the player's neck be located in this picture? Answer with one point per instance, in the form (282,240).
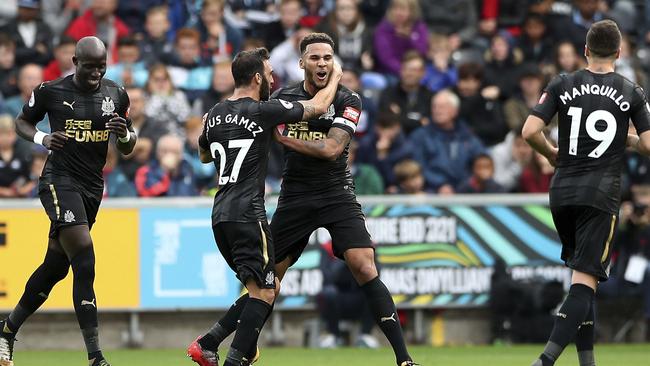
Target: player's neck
(600,67)
(240,93)
(310,88)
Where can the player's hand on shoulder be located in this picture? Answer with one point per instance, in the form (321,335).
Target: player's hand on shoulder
(55,140)
(117,125)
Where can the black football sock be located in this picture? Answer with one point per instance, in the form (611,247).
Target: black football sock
(253,349)
(225,326)
(54,268)
(585,339)
(250,324)
(83,294)
(91,339)
(573,312)
(385,314)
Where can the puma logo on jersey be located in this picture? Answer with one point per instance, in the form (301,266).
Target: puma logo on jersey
(387,318)
(71,105)
(85,302)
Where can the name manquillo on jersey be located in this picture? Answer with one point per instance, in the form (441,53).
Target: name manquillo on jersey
(594,89)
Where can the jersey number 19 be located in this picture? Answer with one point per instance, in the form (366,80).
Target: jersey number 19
(243,145)
(605,136)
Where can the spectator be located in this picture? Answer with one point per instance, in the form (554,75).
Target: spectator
(482,179)
(165,105)
(373,10)
(8,10)
(29,77)
(480,107)
(140,156)
(315,11)
(445,147)
(250,15)
(155,44)
(145,126)
(535,42)
(384,147)
(536,177)
(401,30)
(574,27)
(222,87)
(58,14)
(352,38)
(284,59)
(409,177)
(501,65)
(62,65)
(510,158)
(277,32)
(14,168)
(454,18)
(566,59)
(341,298)
(205,174)
(221,40)
(129,70)
(628,65)
(101,22)
(39,157)
(351,80)
(367,180)
(169,174)
(32,37)
(440,73)
(518,107)
(189,71)
(134,13)
(116,183)
(409,98)
(8,68)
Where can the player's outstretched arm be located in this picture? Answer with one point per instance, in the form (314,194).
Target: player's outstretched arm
(321,101)
(329,148)
(27,130)
(533,133)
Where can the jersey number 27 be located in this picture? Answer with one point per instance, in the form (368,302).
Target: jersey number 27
(243,145)
(605,136)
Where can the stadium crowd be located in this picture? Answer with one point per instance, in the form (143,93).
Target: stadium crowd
(446,85)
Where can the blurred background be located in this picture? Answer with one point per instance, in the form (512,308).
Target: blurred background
(455,199)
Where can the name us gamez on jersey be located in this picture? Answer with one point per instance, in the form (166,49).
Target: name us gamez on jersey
(606,91)
(246,123)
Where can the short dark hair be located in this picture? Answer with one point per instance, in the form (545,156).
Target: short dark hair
(248,63)
(127,41)
(65,40)
(470,70)
(315,38)
(604,39)
(387,119)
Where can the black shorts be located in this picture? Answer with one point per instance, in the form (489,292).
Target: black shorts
(297,217)
(67,205)
(586,234)
(248,249)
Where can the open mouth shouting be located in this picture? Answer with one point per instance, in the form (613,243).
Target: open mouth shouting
(321,76)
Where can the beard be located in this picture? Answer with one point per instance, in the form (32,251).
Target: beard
(265,90)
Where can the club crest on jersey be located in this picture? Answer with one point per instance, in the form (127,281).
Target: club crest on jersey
(270,278)
(107,106)
(329,114)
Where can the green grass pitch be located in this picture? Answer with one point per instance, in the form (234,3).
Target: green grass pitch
(606,355)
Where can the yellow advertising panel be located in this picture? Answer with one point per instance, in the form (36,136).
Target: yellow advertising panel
(23,242)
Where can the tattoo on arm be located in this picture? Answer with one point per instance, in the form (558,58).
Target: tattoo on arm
(339,135)
(309,111)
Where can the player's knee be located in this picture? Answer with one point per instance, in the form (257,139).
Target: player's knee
(364,271)
(276,290)
(83,264)
(57,265)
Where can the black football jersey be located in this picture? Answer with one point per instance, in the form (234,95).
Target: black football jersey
(238,135)
(594,111)
(306,174)
(82,115)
